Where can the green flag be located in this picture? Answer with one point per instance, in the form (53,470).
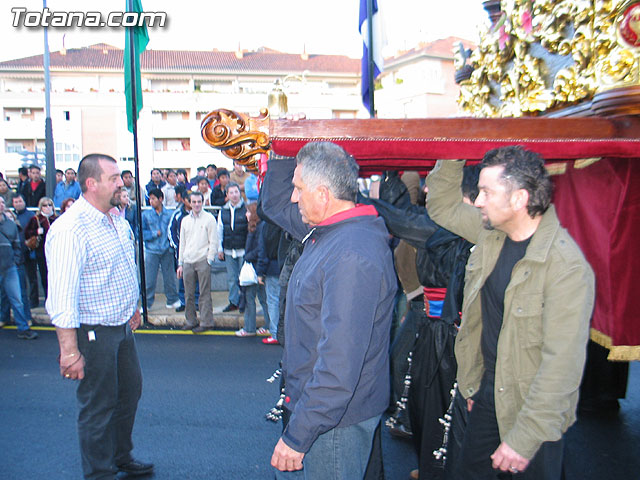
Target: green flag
(140,41)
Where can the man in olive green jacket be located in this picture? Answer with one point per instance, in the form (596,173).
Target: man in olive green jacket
(528,299)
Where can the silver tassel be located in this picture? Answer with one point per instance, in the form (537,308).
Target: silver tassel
(275,414)
(275,376)
(445,421)
(401,404)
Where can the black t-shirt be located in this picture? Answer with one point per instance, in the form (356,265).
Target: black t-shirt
(493,299)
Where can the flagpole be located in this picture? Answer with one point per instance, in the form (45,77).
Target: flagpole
(372,110)
(139,197)
(50,178)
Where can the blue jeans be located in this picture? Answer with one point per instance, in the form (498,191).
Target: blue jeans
(10,282)
(164,261)
(5,305)
(339,454)
(250,309)
(233,271)
(272,286)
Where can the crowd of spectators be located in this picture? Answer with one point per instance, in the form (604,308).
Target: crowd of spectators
(167,202)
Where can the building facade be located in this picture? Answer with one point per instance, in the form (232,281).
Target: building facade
(181,87)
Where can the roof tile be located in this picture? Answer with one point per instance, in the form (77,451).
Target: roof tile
(106,57)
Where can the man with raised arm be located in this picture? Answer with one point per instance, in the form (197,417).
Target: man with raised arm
(528,299)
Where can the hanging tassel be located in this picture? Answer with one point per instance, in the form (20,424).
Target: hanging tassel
(445,421)
(401,404)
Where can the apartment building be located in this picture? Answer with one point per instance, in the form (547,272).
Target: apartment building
(181,87)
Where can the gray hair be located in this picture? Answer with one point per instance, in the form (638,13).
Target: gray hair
(327,164)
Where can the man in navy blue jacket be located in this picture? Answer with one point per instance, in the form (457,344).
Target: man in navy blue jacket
(338,315)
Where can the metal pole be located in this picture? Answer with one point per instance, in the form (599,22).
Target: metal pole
(372,109)
(50,178)
(134,113)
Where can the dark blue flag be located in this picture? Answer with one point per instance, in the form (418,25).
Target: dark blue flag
(377,48)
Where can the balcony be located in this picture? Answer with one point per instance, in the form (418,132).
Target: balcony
(22,129)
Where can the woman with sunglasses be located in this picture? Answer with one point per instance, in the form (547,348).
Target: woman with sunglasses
(38,227)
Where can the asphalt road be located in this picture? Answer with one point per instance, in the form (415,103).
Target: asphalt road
(202,414)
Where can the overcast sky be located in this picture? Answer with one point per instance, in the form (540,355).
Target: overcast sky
(322,27)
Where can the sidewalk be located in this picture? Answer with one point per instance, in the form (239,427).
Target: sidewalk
(160,316)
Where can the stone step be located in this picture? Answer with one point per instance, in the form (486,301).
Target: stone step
(160,316)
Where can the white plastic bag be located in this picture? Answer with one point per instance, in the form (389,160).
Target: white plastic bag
(247,275)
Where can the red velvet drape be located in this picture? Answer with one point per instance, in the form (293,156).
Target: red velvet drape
(375,155)
(600,206)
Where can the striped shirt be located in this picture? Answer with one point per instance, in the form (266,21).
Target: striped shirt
(92,269)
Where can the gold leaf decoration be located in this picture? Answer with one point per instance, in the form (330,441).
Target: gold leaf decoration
(544,55)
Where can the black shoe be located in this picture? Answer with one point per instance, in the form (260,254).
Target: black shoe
(27,335)
(180,308)
(230,308)
(200,329)
(136,468)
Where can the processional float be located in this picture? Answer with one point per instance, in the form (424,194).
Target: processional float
(561,78)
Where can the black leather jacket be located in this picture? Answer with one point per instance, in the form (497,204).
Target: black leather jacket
(441,256)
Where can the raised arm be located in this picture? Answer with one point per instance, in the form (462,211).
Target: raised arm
(444,201)
(276,197)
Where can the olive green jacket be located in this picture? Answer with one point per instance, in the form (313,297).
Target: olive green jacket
(547,309)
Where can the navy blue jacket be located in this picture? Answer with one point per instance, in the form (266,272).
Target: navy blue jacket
(173,232)
(23,217)
(338,315)
(251,246)
(150,186)
(268,244)
(131,216)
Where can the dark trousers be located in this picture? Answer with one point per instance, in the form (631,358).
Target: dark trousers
(482,438)
(41,261)
(31,268)
(107,398)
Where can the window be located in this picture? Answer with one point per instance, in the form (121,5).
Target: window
(13,114)
(13,146)
(172,144)
(170,115)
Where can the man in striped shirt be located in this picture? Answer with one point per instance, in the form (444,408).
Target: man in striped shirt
(92,301)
